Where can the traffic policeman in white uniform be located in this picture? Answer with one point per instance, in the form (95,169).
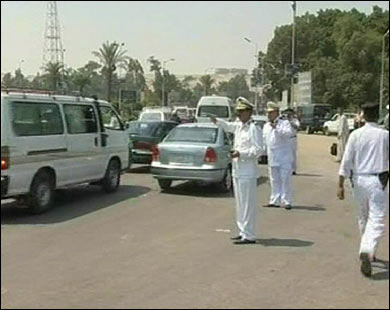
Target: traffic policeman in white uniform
(248,146)
(295,124)
(277,134)
(366,162)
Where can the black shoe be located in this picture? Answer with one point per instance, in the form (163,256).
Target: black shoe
(365,267)
(288,207)
(245,241)
(271,205)
(294,173)
(236,238)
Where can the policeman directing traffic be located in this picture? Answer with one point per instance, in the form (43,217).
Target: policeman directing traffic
(248,147)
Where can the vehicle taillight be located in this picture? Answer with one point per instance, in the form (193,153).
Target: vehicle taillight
(210,156)
(4,158)
(155,153)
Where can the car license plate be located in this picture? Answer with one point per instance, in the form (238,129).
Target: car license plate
(182,159)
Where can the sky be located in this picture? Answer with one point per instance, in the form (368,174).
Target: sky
(197,35)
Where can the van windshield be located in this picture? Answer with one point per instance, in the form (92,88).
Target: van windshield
(218,111)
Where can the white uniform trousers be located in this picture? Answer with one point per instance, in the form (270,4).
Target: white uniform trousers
(294,149)
(245,193)
(372,200)
(281,189)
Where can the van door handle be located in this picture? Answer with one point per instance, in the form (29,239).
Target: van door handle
(96,141)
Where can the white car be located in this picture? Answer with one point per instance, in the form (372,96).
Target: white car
(50,141)
(331,126)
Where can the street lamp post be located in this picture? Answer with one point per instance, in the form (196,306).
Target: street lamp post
(205,71)
(20,65)
(294,7)
(163,82)
(119,81)
(256,68)
(382,73)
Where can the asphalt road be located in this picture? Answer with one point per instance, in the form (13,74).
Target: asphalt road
(141,248)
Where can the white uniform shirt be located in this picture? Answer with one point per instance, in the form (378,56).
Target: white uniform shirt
(367,151)
(248,142)
(277,142)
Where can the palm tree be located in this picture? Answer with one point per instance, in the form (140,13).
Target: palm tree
(53,73)
(110,55)
(135,73)
(207,82)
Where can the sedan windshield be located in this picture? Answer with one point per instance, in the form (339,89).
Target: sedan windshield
(194,134)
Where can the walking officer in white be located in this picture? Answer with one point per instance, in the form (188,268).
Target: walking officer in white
(295,124)
(277,134)
(247,148)
(366,162)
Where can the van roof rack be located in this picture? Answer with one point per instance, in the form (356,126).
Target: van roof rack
(28,91)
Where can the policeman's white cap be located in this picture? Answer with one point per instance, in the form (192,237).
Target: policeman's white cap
(243,104)
(272,106)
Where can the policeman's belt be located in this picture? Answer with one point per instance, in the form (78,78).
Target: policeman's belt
(369,174)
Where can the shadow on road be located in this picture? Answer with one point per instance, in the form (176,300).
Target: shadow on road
(284,242)
(70,204)
(383,275)
(307,208)
(198,189)
(261,180)
(139,169)
(309,175)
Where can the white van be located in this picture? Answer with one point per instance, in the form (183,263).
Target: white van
(221,107)
(50,141)
(155,114)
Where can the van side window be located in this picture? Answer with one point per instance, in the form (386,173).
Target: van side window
(110,119)
(80,119)
(36,119)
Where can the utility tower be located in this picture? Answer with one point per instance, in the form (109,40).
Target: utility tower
(53,51)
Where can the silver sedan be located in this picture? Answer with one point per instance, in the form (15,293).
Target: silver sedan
(196,152)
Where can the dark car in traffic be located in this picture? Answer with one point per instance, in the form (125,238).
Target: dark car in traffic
(313,116)
(144,137)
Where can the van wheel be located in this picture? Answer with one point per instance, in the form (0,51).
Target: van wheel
(111,180)
(226,184)
(164,184)
(41,195)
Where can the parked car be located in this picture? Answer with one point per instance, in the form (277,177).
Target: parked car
(194,151)
(144,137)
(331,127)
(50,141)
(313,116)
